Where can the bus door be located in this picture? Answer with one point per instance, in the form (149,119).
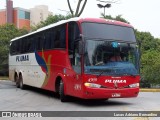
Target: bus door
(74,81)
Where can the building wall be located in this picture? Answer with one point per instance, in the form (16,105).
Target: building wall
(23,23)
(21,18)
(2,17)
(38,14)
(15,19)
(9,11)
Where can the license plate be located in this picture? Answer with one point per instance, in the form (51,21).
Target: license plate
(116,95)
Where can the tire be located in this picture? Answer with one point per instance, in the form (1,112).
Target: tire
(17,81)
(63,97)
(21,85)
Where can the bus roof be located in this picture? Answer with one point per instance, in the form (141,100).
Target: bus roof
(97,20)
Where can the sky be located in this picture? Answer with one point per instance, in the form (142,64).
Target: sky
(142,14)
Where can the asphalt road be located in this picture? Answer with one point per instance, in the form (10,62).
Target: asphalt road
(32,99)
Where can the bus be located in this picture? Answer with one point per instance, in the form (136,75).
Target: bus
(88,58)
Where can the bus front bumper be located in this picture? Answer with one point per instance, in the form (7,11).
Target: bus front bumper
(102,93)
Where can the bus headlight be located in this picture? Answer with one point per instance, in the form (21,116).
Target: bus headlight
(92,85)
(134,85)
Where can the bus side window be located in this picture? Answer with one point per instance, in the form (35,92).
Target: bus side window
(63,36)
(39,41)
(73,33)
(52,37)
(47,41)
(13,48)
(57,39)
(23,45)
(60,37)
(30,45)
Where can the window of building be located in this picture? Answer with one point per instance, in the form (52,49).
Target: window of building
(23,14)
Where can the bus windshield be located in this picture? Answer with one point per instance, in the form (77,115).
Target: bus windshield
(112,54)
(107,31)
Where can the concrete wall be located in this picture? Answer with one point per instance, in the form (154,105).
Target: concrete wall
(2,17)
(38,14)
(23,23)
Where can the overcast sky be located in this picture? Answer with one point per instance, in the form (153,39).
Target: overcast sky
(142,14)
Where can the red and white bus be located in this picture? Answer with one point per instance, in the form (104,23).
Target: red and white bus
(89,58)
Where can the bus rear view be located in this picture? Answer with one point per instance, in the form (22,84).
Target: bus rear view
(111,60)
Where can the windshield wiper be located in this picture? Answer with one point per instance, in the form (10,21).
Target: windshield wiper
(100,74)
(132,75)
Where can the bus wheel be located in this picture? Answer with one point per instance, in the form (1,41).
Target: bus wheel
(17,81)
(63,97)
(21,85)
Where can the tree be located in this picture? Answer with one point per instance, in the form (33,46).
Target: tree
(79,10)
(150,57)
(150,63)
(147,40)
(8,32)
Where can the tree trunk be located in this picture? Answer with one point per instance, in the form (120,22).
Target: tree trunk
(77,13)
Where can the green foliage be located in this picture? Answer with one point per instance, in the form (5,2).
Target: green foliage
(150,57)
(8,32)
(150,62)
(147,40)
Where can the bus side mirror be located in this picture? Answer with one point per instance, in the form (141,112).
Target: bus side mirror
(139,47)
(139,43)
(80,47)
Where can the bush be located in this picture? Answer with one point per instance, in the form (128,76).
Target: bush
(4,70)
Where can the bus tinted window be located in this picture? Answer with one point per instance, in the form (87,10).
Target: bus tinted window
(13,48)
(60,37)
(24,45)
(73,33)
(107,31)
(39,41)
(48,39)
(30,44)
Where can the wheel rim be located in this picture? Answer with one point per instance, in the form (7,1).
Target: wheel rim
(17,81)
(21,82)
(60,85)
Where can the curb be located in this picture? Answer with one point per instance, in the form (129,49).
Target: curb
(150,90)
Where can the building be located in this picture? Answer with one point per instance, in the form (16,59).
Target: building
(18,16)
(23,18)
(3,17)
(39,13)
